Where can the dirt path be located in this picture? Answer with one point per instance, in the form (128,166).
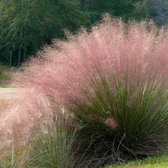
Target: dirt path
(10,93)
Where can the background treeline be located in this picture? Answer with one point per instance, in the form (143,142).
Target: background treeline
(28,25)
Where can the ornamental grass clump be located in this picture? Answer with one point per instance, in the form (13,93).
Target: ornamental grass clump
(113,81)
(124,122)
(52,147)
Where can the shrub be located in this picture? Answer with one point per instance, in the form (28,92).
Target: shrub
(113,81)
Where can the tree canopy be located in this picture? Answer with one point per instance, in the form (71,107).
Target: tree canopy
(27,25)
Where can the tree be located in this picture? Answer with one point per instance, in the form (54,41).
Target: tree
(119,8)
(27,25)
(157,10)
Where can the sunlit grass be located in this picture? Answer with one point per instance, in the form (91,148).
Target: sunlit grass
(151,162)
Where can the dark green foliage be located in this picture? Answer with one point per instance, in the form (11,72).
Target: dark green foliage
(120,8)
(157,10)
(26,26)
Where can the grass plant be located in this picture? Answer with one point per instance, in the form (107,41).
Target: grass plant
(52,148)
(113,82)
(128,122)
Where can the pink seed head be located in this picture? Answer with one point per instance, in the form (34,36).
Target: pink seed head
(112,123)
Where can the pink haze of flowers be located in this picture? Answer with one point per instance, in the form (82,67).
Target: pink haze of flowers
(111,122)
(138,51)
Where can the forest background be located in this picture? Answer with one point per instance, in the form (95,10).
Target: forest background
(26,26)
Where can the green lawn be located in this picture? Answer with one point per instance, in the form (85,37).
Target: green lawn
(153,162)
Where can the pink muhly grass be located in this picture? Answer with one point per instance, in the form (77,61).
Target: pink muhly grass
(65,71)
(24,113)
(111,122)
(111,48)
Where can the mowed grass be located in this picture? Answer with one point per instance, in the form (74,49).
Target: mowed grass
(151,162)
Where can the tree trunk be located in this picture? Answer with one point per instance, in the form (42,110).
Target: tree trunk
(24,53)
(19,56)
(10,57)
(82,4)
